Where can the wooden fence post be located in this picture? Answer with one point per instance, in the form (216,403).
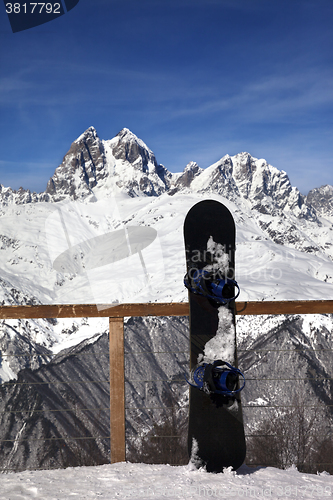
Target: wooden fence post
(117,390)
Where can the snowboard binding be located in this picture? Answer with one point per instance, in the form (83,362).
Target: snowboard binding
(217,378)
(220,290)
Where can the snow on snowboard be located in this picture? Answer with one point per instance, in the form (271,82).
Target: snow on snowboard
(216,432)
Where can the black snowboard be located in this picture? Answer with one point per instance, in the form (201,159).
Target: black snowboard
(216,432)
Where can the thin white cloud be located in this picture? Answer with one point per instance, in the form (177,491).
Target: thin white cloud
(273,98)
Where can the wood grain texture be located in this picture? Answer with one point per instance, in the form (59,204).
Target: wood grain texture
(93,310)
(160,309)
(285,307)
(117,390)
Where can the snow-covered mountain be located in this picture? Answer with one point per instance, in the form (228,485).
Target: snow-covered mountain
(92,165)
(125,161)
(284,251)
(322,200)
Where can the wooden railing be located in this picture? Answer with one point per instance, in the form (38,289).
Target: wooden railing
(116,314)
(159,309)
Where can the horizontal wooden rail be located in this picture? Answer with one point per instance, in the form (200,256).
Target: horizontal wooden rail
(94,310)
(285,307)
(159,309)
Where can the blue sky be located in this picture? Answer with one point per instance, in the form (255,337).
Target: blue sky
(194,79)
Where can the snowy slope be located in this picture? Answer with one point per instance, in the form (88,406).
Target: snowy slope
(34,240)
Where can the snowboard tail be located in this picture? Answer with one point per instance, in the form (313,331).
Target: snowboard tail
(216,433)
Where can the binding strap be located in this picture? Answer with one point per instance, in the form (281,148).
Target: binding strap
(222,381)
(204,283)
(217,378)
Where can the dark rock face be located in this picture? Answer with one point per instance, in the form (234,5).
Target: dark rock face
(143,174)
(82,168)
(45,413)
(128,148)
(321,199)
(191,170)
(222,180)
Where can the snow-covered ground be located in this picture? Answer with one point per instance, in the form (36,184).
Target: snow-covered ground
(142,481)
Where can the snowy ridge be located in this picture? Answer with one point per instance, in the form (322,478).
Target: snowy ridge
(134,169)
(322,200)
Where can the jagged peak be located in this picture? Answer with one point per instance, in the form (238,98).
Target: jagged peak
(243,154)
(90,132)
(321,199)
(326,189)
(127,136)
(254,164)
(192,165)
(184,179)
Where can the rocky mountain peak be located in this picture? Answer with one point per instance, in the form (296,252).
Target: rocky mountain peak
(193,168)
(127,147)
(256,179)
(127,162)
(185,179)
(82,168)
(136,170)
(89,134)
(321,199)
(267,188)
